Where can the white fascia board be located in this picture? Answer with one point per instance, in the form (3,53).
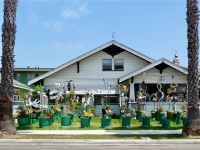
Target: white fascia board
(121,79)
(25,88)
(33,69)
(179,68)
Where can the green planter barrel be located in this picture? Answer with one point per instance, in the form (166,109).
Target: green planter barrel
(72,117)
(106,122)
(43,122)
(174,117)
(153,115)
(62,111)
(22,122)
(146,123)
(184,120)
(109,115)
(126,122)
(30,121)
(65,121)
(37,116)
(166,123)
(50,118)
(85,122)
(139,116)
(158,116)
(162,116)
(178,119)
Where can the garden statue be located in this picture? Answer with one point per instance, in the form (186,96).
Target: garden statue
(88,99)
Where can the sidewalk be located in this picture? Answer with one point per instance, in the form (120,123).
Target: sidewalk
(100,132)
(143,141)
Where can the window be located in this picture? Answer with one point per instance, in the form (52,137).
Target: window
(112,99)
(16,94)
(17,76)
(119,64)
(31,76)
(107,64)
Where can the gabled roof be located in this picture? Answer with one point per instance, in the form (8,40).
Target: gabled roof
(148,59)
(18,84)
(154,64)
(33,69)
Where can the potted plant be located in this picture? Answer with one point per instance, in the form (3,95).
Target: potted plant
(31,117)
(71,110)
(85,119)
(145,120)
(43,121)
(184,118)
(76,105)
(103,109)
(65,121)
(37,114)
(178,119)
(159,110)
(184,108)
(50,115)
(23,114)
(153,114)
(126,120)
(139,110)
(166,123)
(109,112)
(169,114)
(106,121)
(162,116)
(174,116)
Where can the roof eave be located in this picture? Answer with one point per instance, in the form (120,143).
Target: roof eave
(179,68)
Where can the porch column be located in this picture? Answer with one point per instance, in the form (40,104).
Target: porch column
(132,92)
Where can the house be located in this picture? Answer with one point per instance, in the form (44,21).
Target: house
(20,90)
(23,75)
(112,64)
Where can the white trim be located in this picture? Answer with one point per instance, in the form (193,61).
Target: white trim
(29,89)
(102,92)
(89,54)
(162,60)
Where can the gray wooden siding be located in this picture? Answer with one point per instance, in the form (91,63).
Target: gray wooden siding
(90,72)
(153,76)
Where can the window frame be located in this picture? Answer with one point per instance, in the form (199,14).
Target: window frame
(103,65)
(122,64)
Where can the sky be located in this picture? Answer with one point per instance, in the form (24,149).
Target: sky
(53,32)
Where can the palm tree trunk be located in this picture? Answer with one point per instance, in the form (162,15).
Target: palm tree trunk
(7,125)
(192,127)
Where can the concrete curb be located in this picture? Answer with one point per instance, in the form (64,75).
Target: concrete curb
(100,132)
(96,142)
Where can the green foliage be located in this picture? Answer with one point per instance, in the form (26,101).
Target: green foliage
(23,110)
(38,111)
(169,114)
(160,109)
(38,88)
(43,116)
(70,95)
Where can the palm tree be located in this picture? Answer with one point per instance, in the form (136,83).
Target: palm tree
(192,127)
(7,125)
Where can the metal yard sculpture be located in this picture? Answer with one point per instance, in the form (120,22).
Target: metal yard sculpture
(159,94)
